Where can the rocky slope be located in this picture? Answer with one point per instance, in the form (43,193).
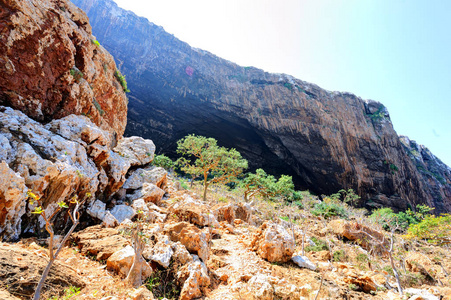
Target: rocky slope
(51,66)
(326,140)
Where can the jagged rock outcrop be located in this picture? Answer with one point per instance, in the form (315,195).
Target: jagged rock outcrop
(326,140)
(434,172)
(51,66)
(67,157)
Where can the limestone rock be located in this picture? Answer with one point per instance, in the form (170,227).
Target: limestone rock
(194,239)
(121,261)
(181,256)
(100,242)
(354,232)
(136,150)
(224,212)
(261,288)
(50,68)
(243,211)
(152,174)
(12,202)
(273,243)
(161,252)
(149,192)
(122,212)
(303,262)
(142,293)
(195,279)
(193,212)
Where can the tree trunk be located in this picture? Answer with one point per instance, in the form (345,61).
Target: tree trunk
(205,186)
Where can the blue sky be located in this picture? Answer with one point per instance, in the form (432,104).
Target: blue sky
(397,52)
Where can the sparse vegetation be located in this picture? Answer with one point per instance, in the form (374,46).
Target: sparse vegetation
(122,81)
(76,73)
(95,42)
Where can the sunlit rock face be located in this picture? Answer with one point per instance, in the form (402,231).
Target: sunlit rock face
(326,140)
(51,66)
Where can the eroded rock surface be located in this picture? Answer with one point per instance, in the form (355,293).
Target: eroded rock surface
(51,67)
(273,243)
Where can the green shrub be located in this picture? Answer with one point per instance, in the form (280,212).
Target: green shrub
(163,161)
(320,245)
(433,229)
(339,255)
(328,210)
(388,219)
(122,81)
(76,73)
(95,42)
(98,107)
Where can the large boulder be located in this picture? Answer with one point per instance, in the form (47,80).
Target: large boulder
(122,260)
(152,174)
(194,239)
(149,192)
(195,279)
(51,66)
(367,237)
(12,204)
(99,242)
(273,243)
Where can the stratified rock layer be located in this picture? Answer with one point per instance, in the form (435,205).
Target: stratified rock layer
(51,66)
(326,140)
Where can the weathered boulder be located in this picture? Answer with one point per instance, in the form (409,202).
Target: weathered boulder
(224,212)
(367,237)
(260,287)
(195,279)
(122,212)
(142,293)
(161,252)
(122,260)
(152,174)
(193,212)
(303,262)
(273,243)
(12,205)
(20,270)
(99,242)
(194,239)
(149,192)
(51,66)
(136,150)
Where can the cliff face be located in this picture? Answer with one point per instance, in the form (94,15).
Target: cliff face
(51,66)
(326,140)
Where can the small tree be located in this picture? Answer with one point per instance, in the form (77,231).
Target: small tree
(261,183)
(74,216)
(205,158)
(163,161)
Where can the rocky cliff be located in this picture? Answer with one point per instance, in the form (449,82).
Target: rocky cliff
(326,140)
(51,66)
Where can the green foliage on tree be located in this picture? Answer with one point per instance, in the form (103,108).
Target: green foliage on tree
(347,196)
(388,219)
(204,158)
(163,161)
(433,229)
(329,210)
(267,186)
